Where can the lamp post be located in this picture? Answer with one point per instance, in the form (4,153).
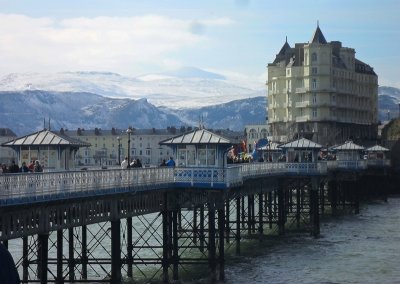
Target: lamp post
(129,131)
(119,150)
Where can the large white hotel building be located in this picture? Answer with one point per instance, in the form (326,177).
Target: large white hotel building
(320,91)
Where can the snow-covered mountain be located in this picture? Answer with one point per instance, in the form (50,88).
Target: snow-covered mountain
(105,100)
(388,101)
(24,112)
(182,88)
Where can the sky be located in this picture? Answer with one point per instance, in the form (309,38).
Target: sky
(231,37)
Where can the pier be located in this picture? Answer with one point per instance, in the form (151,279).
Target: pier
(154,223)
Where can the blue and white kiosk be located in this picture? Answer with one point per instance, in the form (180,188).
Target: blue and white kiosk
(348,156)
(200,157)
(377,156)
(301,151)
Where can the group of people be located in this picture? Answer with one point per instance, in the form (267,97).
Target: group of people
(13,168)
(136,163)
(169,163)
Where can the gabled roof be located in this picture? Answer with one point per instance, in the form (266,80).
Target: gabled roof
(318,37)
(377,148)
(199,136)
(301,143)
(348,145)
(45,138)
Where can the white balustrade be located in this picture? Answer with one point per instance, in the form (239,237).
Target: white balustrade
(28,187)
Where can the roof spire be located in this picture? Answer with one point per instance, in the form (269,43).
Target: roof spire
(286,38)
(318,36)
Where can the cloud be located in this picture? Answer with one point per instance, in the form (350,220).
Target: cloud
(99,43)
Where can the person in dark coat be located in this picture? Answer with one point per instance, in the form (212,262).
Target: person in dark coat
(163,164)
(8,271)
(13,169)
(24,168)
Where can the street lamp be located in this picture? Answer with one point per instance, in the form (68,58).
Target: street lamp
(129,131)
(119,150)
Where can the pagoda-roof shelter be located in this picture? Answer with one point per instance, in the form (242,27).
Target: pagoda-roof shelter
(54,150)
(271,152)
(45,138)
(199,147)
(301,150)
(376,152)
(301,143)
(348,146)
(377,148)
(348,151)
(198,136)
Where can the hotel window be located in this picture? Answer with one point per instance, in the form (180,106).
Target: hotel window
(314,57)
(314,70)
(314,98)
(148,152)
(314,112)
(314,83)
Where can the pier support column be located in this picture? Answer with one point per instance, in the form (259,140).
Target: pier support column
(59,276)
(201,228)
(322,196)
(270,213)
(211,242)
(71,257)
(175,248)
(298,206)
(43,257)
(237,237)
(314,208)
(260,217)
(227,222)
(166,244)
(25,259)
(84,252)
(116,251)
(221,251)
(281,210)
(195,230)
(129,246)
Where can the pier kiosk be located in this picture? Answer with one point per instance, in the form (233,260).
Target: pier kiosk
(54,151)
(377,156)
(301,151)
(271,152)
(349,156)
(199,148)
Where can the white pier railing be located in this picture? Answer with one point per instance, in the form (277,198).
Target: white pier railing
(28,187)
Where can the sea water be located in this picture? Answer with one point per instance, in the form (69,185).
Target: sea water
(363,248)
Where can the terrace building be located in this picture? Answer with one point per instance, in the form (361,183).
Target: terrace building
(319,90)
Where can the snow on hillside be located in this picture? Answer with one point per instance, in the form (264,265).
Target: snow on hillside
(183,88)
